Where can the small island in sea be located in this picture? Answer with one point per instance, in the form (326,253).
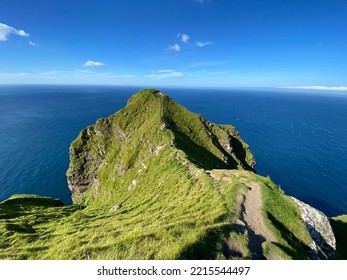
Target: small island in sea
(156,181)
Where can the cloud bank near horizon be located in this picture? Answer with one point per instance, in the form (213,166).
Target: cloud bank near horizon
(335,88)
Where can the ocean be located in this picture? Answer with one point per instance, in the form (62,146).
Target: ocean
(298,138)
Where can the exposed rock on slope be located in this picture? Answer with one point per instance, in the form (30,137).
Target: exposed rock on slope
(323,240)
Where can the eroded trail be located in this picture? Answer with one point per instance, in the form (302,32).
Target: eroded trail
(251,215)
(250,219)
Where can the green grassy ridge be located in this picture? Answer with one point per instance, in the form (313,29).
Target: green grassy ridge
(125,139)
(148,158)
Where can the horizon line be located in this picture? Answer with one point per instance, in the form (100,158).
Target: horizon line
(306,88)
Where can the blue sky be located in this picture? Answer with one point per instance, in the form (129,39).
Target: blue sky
(227,43)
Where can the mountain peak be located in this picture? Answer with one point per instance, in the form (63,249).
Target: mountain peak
(149,120)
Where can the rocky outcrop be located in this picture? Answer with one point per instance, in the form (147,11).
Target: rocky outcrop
(323,244)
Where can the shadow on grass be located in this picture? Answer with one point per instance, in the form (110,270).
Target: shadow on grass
(297,250)
(255,241)
(40,207)
(240,153)
(203,157)
(198,154)
(209,246)
(340,232)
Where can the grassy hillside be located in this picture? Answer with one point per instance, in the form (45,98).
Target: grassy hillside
(187,221)
(152,181)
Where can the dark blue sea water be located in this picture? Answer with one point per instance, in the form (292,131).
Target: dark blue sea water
(298,138)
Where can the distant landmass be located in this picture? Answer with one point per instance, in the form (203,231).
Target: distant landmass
(156,181)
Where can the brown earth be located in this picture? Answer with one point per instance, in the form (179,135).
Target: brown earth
(250,220)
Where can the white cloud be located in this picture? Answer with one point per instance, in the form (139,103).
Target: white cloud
(175,48)
(338,88)
(91,63)
(203,44)
(163,74)
(184,37)
(33,44)
(209,63)
(6,30)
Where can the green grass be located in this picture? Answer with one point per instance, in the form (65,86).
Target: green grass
(168,220)
(283,217)
(25,224)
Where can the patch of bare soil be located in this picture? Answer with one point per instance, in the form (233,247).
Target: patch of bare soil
(251,216)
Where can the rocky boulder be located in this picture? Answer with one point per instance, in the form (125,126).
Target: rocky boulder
(323,239)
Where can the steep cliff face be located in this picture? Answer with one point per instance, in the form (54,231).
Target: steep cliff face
(155,181)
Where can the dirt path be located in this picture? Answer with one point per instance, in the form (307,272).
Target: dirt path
(251,216)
